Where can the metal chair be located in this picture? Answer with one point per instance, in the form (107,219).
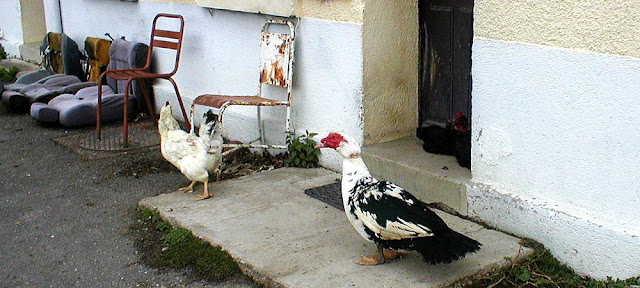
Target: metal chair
(275,69)
(160,38)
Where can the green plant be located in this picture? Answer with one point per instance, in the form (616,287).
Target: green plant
(7,76)
(302,151)
(541,269)
(3,54)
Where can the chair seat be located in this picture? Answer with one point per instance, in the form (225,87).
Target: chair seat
(217,101)
(134,74)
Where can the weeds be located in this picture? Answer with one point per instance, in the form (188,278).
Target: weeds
(542,270)
(165,246)
(302,151)
(8,76)
(3,54)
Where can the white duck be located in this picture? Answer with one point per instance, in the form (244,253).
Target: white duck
(195,156)
(389,216)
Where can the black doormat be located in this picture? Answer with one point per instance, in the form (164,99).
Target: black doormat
(330,194)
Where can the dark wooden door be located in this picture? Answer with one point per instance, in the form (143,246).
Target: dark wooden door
(446,33)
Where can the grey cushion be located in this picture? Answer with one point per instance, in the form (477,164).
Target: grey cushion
(43,92)
(79,109)
(26,79)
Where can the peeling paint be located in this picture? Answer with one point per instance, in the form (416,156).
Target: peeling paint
(275,59)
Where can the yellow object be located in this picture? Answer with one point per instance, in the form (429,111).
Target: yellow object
(55,54)
(98,52)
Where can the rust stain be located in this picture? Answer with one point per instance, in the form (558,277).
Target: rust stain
(219,101)
(278,75)
(264,75)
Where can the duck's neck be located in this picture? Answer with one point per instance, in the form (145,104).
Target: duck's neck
(353,169)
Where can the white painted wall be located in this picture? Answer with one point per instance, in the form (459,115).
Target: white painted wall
(52,16)
(221,56)
(558,129)
(11,25)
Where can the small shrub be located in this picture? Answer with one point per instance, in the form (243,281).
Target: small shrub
(302,151)
(7,76)
(3,54)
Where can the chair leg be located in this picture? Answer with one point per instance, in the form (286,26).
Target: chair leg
(184,112)
(192,128)
(147,100)
(99,110)
(125,121)
(260,125)
(221,119)
(288,120)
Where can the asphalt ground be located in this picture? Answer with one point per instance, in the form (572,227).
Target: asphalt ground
(65,219)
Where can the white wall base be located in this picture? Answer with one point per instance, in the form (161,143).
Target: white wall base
(593,249)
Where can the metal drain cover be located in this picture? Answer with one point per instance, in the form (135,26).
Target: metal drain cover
(140,136)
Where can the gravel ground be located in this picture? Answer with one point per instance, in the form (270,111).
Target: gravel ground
(66,221)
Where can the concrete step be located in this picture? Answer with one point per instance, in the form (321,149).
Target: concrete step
(285,238)
(430,177)
(31,52)
(18,63)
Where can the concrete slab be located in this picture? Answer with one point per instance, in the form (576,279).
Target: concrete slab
(289,239)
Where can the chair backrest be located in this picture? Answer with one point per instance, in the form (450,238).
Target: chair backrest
(125,54)
(276,56)
(166,39)
(98,56)
(51,52)
(60,54)
(71,58)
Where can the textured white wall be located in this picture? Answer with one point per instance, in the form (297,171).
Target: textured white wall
(11,25)
(328,81)
(52,16)
(557,128)
(221,56)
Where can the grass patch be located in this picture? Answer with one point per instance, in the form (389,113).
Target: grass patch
(543,270)
(166,247)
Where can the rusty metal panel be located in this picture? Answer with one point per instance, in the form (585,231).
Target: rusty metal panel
(275,55)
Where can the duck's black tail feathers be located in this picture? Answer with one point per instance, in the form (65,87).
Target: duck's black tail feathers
(445,247)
